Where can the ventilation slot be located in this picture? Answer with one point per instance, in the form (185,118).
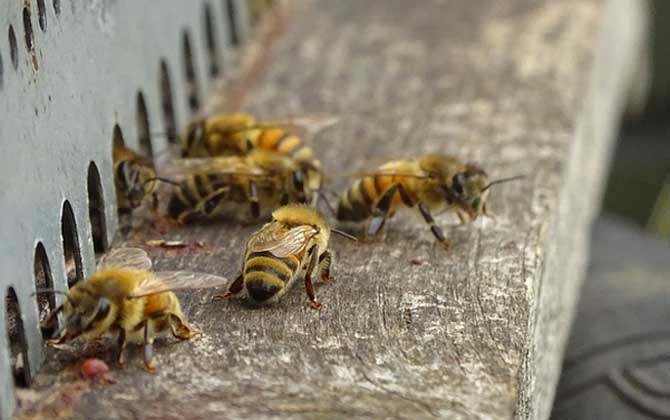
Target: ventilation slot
(189,70)
(42,15)
(169,117)
(96,210)
(232,22)
(117,137)
(143,129)
(46,302)
(28,29)
(212,44)
(72,252)
(1,72)
(118,153)
(13,48)
(17,341)
(56,5)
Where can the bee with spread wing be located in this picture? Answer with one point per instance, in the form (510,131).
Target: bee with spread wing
(291,246)
(125,298)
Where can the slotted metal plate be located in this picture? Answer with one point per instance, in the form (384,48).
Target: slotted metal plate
(72,72)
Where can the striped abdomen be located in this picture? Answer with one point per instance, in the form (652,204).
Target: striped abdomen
(283,142)
(267,277)
(358,201)
(196,188)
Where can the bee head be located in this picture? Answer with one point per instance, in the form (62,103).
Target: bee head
(193,144)
(469,190)
(136,181)
(82,313)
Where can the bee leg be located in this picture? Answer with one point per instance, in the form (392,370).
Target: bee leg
(312,257)
(253,200)
(211,202)
(121,352)
(234,288)
(181,329)
(381,210)
(149,346)
(325,261)
(437,231)
(154,203)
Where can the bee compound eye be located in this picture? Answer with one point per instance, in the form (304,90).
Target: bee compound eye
(457,183)
(299,180)
(102,310)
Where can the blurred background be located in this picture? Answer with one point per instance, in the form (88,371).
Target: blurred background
(639,184)
(617,362)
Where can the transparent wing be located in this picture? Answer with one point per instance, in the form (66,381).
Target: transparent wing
(166,281)
(279,241)
(418,175)
(234,165)
(133,258)
(309,123)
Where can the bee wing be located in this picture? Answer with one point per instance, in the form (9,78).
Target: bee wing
(167,281)
(309,123)
(233,165)
(133,258)
(418,175)
(281,242)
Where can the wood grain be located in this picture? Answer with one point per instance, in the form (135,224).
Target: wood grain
(408,330)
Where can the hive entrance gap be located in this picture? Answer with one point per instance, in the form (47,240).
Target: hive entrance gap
(167,104)
(96,209)
(17,341)
(143,128)
(42,15)
(189,70)
(13,48)
(231,12)
(212,44)
(46,302)
(72,252)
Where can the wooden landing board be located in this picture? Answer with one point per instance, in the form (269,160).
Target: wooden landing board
(407,330)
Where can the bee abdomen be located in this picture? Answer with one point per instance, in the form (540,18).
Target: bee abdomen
(357,202)
(265,276)
(283,142)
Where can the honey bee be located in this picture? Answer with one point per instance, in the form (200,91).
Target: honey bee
(135,179)
(261,179)
(429,183)
(238,134)
(125,298)
(290,246)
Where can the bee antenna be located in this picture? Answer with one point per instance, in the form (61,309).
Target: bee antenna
(500,181)
(161,179)
(344,234)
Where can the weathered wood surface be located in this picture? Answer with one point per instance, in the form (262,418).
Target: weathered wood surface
(521,86)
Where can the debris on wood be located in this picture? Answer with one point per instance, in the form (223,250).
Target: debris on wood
(417,262)
(96,370)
